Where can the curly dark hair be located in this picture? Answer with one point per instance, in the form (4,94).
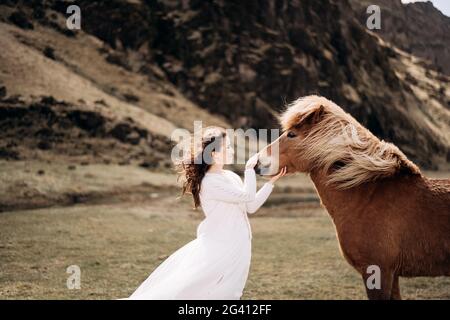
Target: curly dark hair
(194,168)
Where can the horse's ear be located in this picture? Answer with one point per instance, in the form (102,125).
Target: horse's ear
(311,117)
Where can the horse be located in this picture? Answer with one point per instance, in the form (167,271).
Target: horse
(387,215)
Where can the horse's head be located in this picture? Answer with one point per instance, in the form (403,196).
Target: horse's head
(289,149)
(320,135)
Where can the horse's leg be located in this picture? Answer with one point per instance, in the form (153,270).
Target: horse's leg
(395,293)
(384,293)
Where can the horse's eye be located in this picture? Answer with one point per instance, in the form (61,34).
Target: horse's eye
(291,134)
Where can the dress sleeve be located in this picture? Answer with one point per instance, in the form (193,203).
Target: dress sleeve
(260,198)
(218,189)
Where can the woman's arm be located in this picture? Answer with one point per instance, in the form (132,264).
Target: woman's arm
(260,198)
(220,189)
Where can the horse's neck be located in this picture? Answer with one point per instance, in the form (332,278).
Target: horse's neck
(342,205)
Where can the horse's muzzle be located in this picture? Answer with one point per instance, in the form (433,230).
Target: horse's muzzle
(261,169)
(258,168)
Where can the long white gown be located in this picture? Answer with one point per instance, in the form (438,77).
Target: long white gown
(215,265)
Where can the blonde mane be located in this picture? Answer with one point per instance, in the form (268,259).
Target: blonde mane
(340,146)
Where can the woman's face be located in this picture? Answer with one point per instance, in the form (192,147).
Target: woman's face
(226,153)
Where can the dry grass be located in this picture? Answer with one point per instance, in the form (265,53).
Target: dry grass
(117,244)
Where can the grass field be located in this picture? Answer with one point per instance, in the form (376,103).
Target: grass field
(117,244)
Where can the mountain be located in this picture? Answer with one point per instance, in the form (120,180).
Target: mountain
(417,28)
(67,95)
(165,64)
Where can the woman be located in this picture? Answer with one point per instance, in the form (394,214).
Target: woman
(215,265)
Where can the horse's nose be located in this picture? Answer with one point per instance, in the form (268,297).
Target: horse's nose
(258,168)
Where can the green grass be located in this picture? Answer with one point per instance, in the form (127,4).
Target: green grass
(295,256)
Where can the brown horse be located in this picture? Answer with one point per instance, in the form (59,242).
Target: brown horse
(386,213)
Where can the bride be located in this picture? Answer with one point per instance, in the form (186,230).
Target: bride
(215,265)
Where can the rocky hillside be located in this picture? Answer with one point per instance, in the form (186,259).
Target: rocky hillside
(48,128)
(417,28)
(68,95)
(232,63)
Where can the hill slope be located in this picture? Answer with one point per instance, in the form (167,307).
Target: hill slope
(228,63)
(417,28)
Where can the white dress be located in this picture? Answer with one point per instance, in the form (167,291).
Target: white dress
(215,265)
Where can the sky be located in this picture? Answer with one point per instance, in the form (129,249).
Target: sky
(442,5)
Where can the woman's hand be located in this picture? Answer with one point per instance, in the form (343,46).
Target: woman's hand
(282,173)
(251,163)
